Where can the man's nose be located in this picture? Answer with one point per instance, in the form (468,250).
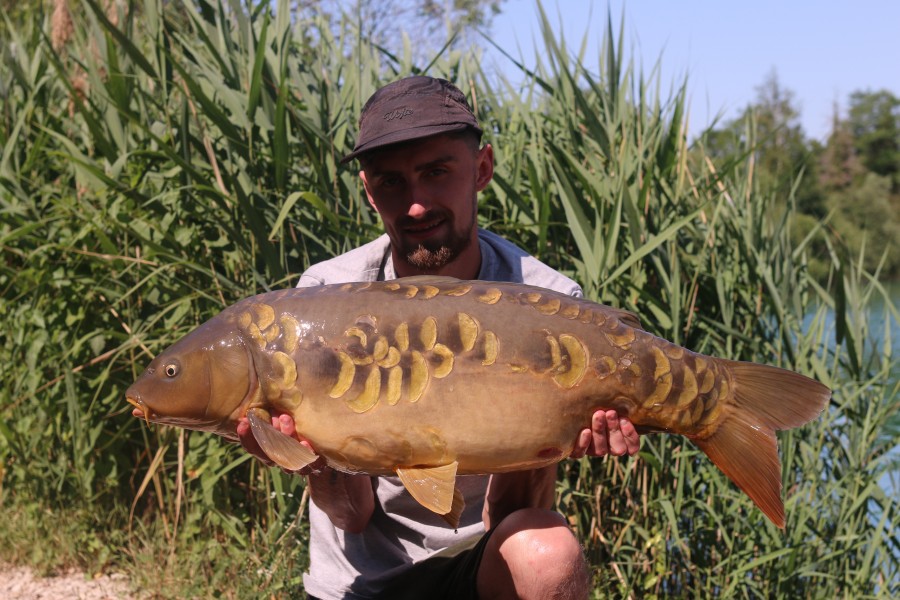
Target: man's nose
(419,203)
(417,210)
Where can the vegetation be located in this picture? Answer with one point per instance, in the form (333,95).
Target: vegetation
(851,183)
(159,162)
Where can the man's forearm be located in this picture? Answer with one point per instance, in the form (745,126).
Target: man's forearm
(509,492)
(348,500)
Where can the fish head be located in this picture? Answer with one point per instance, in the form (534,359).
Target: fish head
(201,382)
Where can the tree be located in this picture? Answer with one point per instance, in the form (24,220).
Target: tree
(781,148)
(770,129)
(865,220)
(428,24)
(839,164)
(874,119)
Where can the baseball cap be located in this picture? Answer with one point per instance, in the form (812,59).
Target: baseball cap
(410,109)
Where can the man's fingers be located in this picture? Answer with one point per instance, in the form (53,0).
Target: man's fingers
(617,444)
(245,435)
(608,434)
(600,434)
(583,445)
(630,434)
(286,425)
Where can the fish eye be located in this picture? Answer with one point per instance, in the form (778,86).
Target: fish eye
(171,370)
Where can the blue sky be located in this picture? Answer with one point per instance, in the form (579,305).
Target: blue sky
(821,50)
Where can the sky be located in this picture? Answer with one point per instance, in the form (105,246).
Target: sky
(822,51)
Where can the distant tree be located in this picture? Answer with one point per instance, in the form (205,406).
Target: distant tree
(770,129)
(874,120)
(781,148)
(839,163)
(428,24)
(865,218)
(810,195)
(726,142)
(781,151)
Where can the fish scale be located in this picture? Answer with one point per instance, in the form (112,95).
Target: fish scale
(430,378)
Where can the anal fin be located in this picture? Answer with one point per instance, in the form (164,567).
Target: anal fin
(435,489)
(285,451)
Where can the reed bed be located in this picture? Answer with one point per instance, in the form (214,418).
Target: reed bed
(161,160)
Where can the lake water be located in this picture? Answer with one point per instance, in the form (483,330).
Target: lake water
(891,482)
(878,313)
(883,329)
(879,332)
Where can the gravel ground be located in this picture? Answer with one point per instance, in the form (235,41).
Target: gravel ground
(20,583)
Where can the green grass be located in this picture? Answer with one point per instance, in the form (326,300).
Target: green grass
(157,170)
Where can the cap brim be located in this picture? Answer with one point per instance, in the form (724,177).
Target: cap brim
(405,135)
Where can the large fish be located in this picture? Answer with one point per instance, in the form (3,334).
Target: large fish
(430,378)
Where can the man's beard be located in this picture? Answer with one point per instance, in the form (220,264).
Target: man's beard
(434,254)
(425,259)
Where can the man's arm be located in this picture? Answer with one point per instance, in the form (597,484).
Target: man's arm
(509,492)
(348,500)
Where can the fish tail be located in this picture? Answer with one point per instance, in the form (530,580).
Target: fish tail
(743,444)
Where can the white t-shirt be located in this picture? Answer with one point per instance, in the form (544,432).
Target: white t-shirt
(401,531)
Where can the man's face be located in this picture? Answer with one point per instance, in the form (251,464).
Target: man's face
(426,193)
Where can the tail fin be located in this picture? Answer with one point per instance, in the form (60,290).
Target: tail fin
(744,445)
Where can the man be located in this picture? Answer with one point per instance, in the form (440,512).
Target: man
(422,168)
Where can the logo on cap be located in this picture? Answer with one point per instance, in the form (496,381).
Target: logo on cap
(397,114)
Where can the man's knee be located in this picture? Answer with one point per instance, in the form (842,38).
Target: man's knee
(539,533)
(533,554)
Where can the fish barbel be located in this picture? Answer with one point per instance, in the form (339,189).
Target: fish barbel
(429,378)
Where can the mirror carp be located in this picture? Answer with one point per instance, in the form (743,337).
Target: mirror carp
(429,378)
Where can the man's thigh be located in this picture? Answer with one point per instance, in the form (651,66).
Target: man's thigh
(440,577)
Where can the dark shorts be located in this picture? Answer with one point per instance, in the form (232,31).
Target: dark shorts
(451,575)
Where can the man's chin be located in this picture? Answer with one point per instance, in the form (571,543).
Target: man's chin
(426,259)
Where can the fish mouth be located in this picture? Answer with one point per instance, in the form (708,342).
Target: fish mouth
(141,411)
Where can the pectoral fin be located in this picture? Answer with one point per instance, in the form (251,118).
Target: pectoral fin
(435,489)
(285,451)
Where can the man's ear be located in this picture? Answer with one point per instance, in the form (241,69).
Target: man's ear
(484,167)
(362,175)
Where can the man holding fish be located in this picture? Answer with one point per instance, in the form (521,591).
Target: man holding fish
(423,164)
(396,386)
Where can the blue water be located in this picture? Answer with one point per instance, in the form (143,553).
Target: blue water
(891,481)
(883,329)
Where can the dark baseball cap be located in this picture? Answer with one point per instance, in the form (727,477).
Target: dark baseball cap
(410,109)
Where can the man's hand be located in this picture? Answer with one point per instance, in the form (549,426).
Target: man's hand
(509,492)
(285,424)
(609,434)
(348,500)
